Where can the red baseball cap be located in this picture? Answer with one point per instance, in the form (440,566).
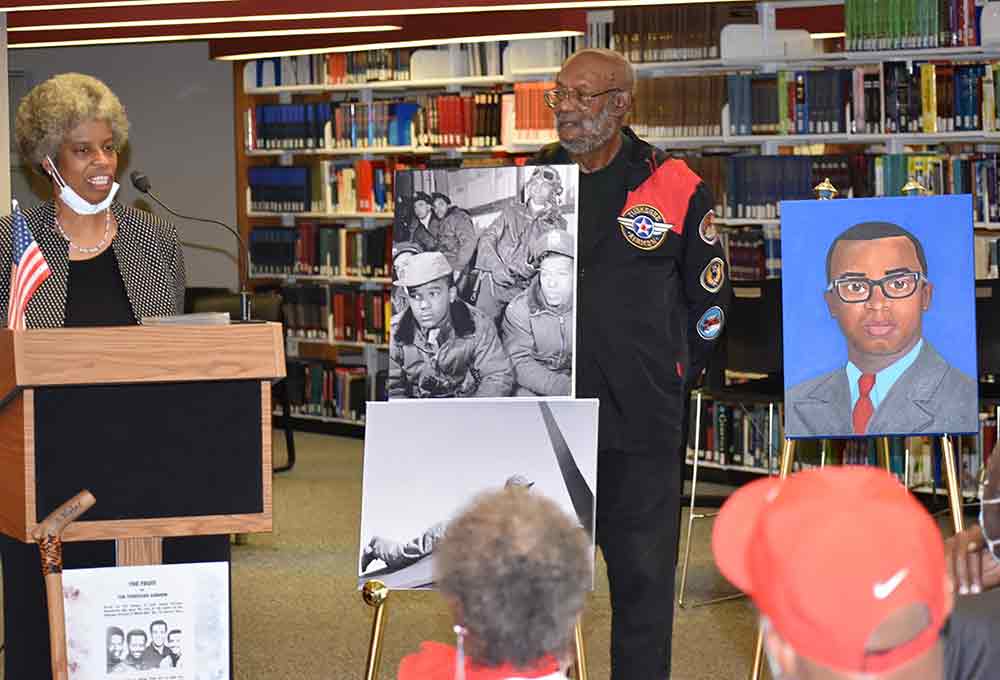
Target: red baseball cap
(828,555)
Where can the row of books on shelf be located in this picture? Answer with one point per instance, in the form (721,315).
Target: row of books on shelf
(676,32)
(891,97)
(678,107)
(750,187)
(907,24)
(313,249)
(445,120)
(357,68)
(656,34)
(327,186)
(340,68)
(738,435)
(753,252)
(330,313)
(319,389)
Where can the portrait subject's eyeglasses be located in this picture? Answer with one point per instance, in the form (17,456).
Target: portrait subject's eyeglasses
(557,95)
(546,174)
(853,289)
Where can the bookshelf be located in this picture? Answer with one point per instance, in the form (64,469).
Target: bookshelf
(529,140)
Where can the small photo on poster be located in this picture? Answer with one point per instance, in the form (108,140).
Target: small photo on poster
(484,279)
(425,461)
(163,622)
(878,306)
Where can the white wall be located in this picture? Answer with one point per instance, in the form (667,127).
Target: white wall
(180,106)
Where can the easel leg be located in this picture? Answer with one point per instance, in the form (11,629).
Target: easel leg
(581,653)
(374,593)
(951,478)
(787,458)
(691,512)
(758,655)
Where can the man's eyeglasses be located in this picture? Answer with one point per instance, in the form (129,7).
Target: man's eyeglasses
(557,95)
(894,286)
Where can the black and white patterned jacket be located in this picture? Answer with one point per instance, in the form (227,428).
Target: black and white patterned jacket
(149,257)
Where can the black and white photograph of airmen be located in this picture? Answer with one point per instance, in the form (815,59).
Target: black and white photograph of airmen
(503,324)
(146,648)
(546,446)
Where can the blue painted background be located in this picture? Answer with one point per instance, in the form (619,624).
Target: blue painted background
(813,343)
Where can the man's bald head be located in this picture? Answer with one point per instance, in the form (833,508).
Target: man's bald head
(596,87)
(607,65)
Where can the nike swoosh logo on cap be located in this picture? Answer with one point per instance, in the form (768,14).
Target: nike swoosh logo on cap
(886,588)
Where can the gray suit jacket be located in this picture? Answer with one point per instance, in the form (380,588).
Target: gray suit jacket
(931,397)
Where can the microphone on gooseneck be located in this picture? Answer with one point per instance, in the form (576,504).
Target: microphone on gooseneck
(141,183)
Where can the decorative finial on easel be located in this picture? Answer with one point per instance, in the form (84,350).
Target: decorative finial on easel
(825,190)
(913,188)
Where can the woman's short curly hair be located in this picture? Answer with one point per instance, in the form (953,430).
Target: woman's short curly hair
(519,567)
(53,108)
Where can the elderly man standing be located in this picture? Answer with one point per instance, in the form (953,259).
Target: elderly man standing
(651,297)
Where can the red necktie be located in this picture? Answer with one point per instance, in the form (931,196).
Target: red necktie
(863,409)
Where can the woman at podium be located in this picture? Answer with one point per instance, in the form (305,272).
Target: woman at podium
(111,265)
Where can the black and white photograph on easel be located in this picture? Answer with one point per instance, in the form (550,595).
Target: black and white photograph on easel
(425,461)
(484,275)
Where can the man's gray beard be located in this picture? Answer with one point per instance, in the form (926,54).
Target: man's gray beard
(602,129)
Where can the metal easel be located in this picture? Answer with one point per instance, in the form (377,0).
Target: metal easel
(375,593)
(826,191)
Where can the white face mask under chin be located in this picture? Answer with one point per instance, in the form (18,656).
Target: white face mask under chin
(75,201)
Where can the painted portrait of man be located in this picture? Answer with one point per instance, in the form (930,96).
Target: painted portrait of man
(879,291)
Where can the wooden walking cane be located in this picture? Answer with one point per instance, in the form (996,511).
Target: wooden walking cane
(48,533)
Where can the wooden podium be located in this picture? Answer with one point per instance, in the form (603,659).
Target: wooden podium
(184,410)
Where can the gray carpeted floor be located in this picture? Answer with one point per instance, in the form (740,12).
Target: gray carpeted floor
(297,612)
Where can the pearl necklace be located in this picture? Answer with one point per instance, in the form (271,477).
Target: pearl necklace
(92,249)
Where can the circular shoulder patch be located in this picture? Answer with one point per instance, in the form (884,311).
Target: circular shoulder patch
(713,275)
(710,324)
(642,226)
(709,234)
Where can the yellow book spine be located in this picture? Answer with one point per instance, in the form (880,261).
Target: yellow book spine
(928,96)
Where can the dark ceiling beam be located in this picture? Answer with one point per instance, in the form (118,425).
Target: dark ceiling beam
(417,28)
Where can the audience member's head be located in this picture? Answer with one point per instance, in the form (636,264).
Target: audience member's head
(515,569)
(847,570)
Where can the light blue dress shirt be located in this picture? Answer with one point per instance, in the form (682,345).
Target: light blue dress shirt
(884,379)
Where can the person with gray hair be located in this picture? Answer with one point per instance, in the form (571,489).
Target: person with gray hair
(514,569)
(111,265)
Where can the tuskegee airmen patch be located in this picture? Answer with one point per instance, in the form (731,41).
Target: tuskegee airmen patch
(709,234)
(642,225)
(713,275)
(710,324)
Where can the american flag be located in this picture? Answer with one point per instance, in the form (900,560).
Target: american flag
(28,270)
